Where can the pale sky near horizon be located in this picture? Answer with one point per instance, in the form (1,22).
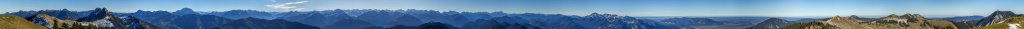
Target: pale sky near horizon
(779,8)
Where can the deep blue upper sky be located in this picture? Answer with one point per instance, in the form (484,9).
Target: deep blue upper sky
(782,8)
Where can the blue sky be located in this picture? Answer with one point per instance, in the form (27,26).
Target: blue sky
(779,8)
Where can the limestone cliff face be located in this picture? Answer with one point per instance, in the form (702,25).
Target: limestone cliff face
(1007,24)
(995,18)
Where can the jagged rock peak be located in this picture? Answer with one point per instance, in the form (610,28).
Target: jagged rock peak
(98,14)
(914,18)
(838,18)
(603,15)
(100,11)
(911,15)
(891,15)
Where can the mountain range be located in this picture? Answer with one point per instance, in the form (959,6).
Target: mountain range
(186,18)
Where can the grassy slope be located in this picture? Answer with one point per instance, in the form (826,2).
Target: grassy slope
(1013,20)
(15,22)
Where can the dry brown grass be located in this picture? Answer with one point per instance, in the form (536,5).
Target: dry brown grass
(15,22)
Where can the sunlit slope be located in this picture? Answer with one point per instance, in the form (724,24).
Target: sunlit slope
(908,21)
(15,22)
(1010,23)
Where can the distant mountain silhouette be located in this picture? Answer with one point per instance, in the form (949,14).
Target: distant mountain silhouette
(167,20)
(690,23)
(349,24)
(61,14)
(184,11)
(316,18)
(495,24)
(238,14)
(194,21)
(132,22)
(431,25)
(256,23)
(387,18)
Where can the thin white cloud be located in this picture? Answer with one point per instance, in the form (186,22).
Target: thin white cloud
(287,6)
